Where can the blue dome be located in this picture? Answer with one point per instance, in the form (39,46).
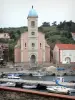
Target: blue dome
(32,13)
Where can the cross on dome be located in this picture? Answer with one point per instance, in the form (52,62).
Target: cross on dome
(32,6)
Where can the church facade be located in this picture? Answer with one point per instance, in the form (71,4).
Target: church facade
(32,46)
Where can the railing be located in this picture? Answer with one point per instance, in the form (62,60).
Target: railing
(22,94)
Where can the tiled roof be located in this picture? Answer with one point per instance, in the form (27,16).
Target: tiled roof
(73,33)
(66,46)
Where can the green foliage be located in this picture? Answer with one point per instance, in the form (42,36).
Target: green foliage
(14,36)
(1,30)
(4,40)
(66,40)
(60,33)
(12,43)
(54,23)
(45,24)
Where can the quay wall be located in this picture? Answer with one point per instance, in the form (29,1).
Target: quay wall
(7,93)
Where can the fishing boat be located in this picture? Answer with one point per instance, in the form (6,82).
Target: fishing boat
(29,86)
(58,89)
(60,81)
(13,76)
(9,84)
(38,74)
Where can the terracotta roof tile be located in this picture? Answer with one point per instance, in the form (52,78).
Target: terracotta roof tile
(66,46)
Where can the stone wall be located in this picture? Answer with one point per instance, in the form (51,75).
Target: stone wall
(22,94)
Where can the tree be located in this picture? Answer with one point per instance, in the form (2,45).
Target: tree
(1,30)
(73,27)
(19,33)
(54,23)
(46,24)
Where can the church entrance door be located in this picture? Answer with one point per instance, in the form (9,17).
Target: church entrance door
(33,58)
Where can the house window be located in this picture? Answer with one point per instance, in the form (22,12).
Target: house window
(40,45)
(33,33)
(25,44)
(4,35)
(33,44)
(32,23)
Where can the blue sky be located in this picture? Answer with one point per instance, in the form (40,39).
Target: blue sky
(13,13)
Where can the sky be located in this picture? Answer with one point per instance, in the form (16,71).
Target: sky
(13,13)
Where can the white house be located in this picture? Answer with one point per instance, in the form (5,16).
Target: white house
(64,53)
(4,36)
(73,36)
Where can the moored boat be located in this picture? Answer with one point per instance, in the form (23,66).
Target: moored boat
(38,74)
(9,84)
(12,76)
(29,86)
(58,89)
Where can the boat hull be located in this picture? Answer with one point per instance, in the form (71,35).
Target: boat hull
(8,84)
(29,86)
(59,90)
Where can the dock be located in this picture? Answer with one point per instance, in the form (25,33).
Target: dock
(47,83)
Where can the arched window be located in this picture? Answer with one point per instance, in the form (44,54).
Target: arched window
(40,45)
(4,35)
(33,44)
(33,33)
(25,44)
(32,23)
(68,60)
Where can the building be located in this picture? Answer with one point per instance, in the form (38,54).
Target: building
(64,53)
(73,36)
(32,46)
(4,48)
(4,36)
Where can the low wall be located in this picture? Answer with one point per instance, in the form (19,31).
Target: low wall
(7,93)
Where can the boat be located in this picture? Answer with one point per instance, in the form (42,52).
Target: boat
(41,87)
(38,74)
(29,86)
(9,84)
(58,89)
(13,76)
(71,90)
(59,82)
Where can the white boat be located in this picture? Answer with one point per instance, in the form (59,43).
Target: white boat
(12,76)
(59,81)
(9,84)
(29,86)
(58,89)
(38,74)
(71,90)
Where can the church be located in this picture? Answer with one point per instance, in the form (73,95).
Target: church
(32,46)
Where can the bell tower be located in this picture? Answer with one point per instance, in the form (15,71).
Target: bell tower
(32,36)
